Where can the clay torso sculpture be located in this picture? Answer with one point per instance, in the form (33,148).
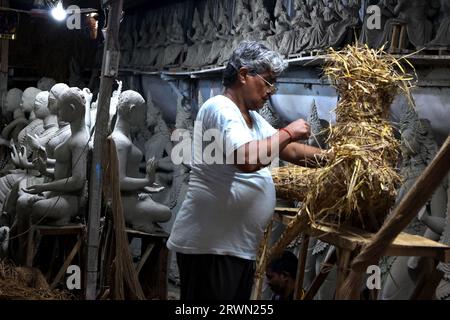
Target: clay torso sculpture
(197,35)
(282,24)
(175,44)
(338,32)
(442,38)
(141,212)
(222,36)
(414,14)
(59,201)
(33,100)
(298,37)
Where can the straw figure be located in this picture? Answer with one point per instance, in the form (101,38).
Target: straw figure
(357,186)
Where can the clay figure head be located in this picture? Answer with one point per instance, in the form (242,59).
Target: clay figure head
(45,84)
(28,97)
(132,107)
(13,99)
(41,105)
(55,92)
(71,105)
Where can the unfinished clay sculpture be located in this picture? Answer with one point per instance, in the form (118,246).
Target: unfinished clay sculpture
(141,212)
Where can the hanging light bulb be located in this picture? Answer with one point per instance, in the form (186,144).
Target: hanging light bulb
(58,12)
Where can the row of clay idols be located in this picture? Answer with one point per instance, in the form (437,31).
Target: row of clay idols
(49,184)
(315,24)
(426,22)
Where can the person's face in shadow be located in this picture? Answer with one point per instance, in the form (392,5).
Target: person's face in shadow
(277,281)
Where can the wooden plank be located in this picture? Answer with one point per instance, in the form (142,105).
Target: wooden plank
(66,263)
(344,258)
(136,233)
(30,247)
(60,230)
(403,245)
(259,274)
(325,270)
(144,257)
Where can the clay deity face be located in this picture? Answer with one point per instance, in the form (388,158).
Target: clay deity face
(71,105)
(41,105)
(18,113)
(13,99)
(45,84)
(56,91)
(28,97)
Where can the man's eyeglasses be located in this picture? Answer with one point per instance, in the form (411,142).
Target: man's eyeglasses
(271,85)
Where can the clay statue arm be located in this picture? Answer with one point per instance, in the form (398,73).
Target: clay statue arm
(72,183)
(436,224)
(10,127)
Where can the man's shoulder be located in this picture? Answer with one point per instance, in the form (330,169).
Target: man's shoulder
(218,105)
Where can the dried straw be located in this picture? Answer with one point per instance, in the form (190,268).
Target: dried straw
(21,283)
(358,184)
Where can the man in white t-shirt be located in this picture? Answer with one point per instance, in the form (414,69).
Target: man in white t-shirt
(231,194)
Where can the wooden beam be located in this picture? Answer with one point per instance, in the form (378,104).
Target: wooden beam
(110,67)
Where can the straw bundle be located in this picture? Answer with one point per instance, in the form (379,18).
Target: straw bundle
(358,184)
(20,283)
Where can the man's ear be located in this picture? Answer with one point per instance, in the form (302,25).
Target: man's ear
(72,106)
(132,108)
(242,74)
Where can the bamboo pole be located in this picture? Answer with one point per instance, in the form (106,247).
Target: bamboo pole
(110,67)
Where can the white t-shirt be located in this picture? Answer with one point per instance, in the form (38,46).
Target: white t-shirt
(225,210)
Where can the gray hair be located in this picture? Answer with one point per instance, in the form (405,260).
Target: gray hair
(254,56)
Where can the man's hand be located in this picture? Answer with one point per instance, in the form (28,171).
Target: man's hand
(299,129)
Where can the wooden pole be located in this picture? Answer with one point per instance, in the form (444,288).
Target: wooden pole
(298,290)
(110,66)
(4,47)
(415,199)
